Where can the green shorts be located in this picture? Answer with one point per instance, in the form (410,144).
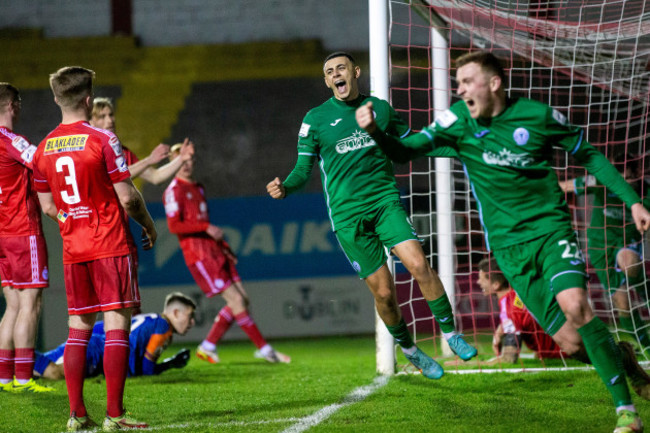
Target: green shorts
(603,260)
(366,239)
(540,269)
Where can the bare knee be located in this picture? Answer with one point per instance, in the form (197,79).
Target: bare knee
(575,306)
(383,295)
(234,299)
(630,262)
(620,300)
(421,270)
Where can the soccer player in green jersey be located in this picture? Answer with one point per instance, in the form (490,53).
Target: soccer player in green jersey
(505,145)
(364,205)
(614,245)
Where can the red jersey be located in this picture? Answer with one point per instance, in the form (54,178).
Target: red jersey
(516,319)
(79,164)
(130,157)
(187,217)
(20,212)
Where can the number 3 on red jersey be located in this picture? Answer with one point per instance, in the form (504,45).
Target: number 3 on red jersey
(70,179)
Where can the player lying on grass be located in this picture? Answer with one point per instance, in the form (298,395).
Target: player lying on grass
(506,145)
(614,245)
(150,335)
(516,325)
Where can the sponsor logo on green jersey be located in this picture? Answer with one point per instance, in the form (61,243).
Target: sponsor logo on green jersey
(358,140)
(507,158)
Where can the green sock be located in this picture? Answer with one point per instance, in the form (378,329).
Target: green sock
(605,356)
(401,334)
(441,309)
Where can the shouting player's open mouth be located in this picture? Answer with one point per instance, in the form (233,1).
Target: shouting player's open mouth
(341,86)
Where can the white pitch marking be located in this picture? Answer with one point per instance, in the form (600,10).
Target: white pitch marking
(355,396)
(194,425)
(301,424)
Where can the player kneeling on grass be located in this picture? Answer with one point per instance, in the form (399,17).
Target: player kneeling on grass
(150,335)
(516,325)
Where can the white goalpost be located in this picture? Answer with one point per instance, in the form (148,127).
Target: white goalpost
(379,87)
(590,60)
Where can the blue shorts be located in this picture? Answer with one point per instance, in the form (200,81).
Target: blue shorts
(94,357)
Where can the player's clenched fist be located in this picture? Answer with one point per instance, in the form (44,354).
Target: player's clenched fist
(276,189)
(366,118)
(641,217)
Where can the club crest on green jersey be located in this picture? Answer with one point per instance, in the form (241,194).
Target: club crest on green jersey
(358,140)
(521,136)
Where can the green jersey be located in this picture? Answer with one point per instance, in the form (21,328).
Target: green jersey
(507,160)
(611,223)
(356,174)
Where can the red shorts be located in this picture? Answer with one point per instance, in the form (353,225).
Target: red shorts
(23,262)
(214,275)
(100,285)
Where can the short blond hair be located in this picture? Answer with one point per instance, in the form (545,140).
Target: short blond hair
(179,298)
(100,103)
(175,150)
(71,85)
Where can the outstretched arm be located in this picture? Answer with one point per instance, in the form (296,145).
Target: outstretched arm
(179,360)
(399,150)
(162,174)
(159,153)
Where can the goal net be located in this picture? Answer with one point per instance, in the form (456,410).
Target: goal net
(590,60)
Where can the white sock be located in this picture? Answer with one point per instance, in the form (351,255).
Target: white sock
(266,350)
(629,407)
(448,335)
(410,351)
(210,347)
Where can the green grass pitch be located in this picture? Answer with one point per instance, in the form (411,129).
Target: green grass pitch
(331,386)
